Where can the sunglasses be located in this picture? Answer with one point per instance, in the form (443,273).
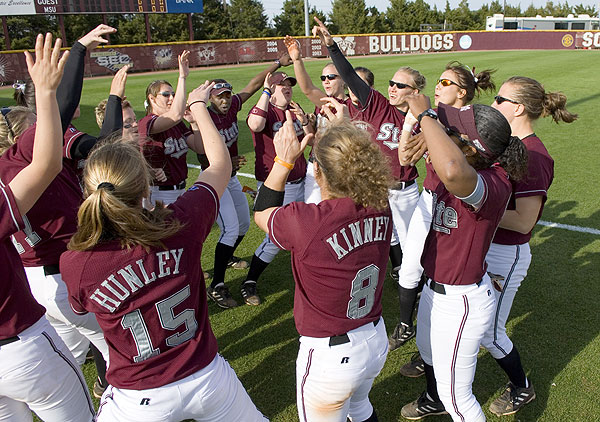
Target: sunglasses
(167,94)
(400,85)
(222,85)
(500,100)
(448,82)
(331,77)
(127,125)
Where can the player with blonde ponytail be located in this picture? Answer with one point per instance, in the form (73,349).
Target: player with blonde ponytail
(522,101)
(139,272)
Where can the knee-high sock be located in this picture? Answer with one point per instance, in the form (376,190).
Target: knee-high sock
(511,364)
(222,254)
(396,256)
(431,383)
(407,297)
(257,266)
(100,365)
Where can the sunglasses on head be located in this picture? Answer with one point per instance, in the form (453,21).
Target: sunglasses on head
(500,100)
(400,85)
(448,82)
(331,77)
(222,85)
(167,94)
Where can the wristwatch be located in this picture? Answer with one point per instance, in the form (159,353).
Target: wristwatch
(429,113)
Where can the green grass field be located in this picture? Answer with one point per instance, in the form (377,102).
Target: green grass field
(555,317)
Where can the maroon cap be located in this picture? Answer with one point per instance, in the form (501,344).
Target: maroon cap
(462,121)
(221,87)
(277,78)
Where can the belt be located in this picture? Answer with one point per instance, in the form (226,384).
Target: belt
(172,187)
(343,338)
(51,269)
(402,185)
(295,182)
(427,190)
(9,340)
(439,288)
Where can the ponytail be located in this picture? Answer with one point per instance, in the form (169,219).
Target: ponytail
(514,159)
(554,105)
(471,82)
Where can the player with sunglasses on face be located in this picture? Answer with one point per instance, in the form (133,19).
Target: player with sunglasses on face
(386,119)
(456,87)
(332,86)
(522,101)
(164,138)
(234,215)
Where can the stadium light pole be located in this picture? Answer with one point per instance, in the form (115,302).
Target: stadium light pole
(306,27)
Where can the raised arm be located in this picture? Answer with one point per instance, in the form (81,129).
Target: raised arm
(403,154)
(312,92)
(219,172)
(447,158)
(175,113)
(271,193)
(68,93)
(258,115)
(257,82)
(113,116)
(355,83)
(46,72)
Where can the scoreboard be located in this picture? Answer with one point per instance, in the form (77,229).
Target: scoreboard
(46,7)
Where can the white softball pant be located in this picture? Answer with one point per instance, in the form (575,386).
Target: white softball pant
(234,214)
(213,394)
(333,382)
(75,330)
(312,191)
(294,192)
(451,327)
(418,229)
(511,262)
(39,374)
(166,196)
(402,204)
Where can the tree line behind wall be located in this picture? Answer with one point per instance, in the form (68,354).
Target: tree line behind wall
(247,19)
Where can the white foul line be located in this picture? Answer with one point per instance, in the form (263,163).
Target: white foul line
(588,230)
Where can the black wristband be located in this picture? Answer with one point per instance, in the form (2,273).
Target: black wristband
(268,198)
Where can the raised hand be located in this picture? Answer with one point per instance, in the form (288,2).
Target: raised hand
(184,64)
(300,115)
(293,48)
(117,87)
(286,142)
(334,110)
(47,69)
(94,38)
(285,59)
(321,31)
(418,103)
(267,83)
(201,94)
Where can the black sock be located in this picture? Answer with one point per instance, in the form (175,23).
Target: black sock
(396,256)
(372,418)
(511,364)
(257,266)
(238,241)
(407,297)
(222,254)
(431,383)
(100,365)
(421,283)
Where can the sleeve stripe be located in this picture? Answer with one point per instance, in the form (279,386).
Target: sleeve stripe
(543,191)
(271,234)
(70,142)
(78,312)
(12,213)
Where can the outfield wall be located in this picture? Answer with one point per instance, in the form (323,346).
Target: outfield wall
(106,60)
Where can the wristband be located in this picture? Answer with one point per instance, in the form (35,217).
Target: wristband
(267,92)
(258,112)
(283,163)
(278,63)
(307,123)
(407,127)
(268,198)
(196,101)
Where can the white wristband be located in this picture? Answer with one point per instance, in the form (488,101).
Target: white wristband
(407,127)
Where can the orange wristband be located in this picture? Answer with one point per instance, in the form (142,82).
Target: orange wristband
(283,163)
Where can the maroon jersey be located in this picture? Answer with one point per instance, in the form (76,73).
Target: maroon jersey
(18,308)
(265,151)
(386,122)
(151,305)
(166,150)
(431,178)
(70,136)
(460,237)
(227,124)
(540,172)
(339,257)
(51,222)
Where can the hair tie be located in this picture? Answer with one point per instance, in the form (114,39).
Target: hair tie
(146,104)
(106,185)
(19,86)
(474,77)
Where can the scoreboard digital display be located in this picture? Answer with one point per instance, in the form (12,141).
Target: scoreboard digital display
(46,7)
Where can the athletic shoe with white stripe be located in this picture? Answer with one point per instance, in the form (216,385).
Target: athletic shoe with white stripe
(512,399)
(422,407)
